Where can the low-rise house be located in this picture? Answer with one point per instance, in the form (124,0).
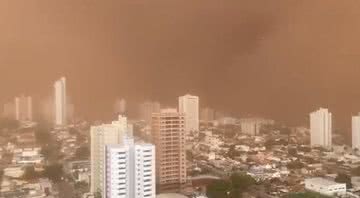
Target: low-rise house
(14,171)
(325,187)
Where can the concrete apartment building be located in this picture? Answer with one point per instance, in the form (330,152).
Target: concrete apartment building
(146,110)
(102,135)
(130,170)
(321,128)
(189,106)
(356,132)
(168,130)
(23,108)
(252,126)
(60,102)
(325,187)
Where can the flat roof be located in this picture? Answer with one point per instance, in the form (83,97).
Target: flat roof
(321,181)
(170,195)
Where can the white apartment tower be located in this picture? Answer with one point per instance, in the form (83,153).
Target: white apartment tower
(130,170)
(60,102)
(356,132)
(102,135)
(23,108)
(321,128)
(189,106)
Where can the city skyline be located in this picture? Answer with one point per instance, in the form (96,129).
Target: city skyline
(135,113)
(179,99)
(258,60)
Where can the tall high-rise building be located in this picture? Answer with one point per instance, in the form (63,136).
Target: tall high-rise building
(321,128)
(189,106)
(356,132)
(23,108)
(147,109)
(9,110)
(47,110)
(70,112)
(207,115)
(60,102)
(252,126)
(120,107)
(102,135)
(169,138)
(130,170)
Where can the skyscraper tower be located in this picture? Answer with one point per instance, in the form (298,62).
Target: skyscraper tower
(169,138)
(102,135)
(189,106)
(146,110)
(60,102)
(23,108)
(130,170)
(356,132)
(120,107)
(321,128)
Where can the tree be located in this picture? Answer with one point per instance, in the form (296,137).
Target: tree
(189,155)
(82,152)
(54,172)
(201,136)
(232,153)
(242,181)
(42,134)
(218,188)
(269,143)
(356,171)
(50,151)
(73,131)
(292,151)
(343,178)
(305,195)
(229,131)
(30,173)
(295,165)
(304,149)
(285,130)
(1,178)
(238,184)
(97,195)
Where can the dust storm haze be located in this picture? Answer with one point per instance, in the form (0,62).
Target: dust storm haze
(280,59)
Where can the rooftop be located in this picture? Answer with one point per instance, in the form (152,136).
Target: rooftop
(170,195)
(321,181)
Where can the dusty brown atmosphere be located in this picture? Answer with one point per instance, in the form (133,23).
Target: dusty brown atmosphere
(280,59)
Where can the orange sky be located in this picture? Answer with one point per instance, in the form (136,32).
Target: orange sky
(280,58)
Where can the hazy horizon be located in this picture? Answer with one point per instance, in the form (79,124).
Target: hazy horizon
(278,59)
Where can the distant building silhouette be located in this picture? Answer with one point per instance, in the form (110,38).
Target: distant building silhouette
(120,107)
(207,115)
(23,108)
(146,110)
(356,132)
(321,128)
(189,105)
(60,103)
